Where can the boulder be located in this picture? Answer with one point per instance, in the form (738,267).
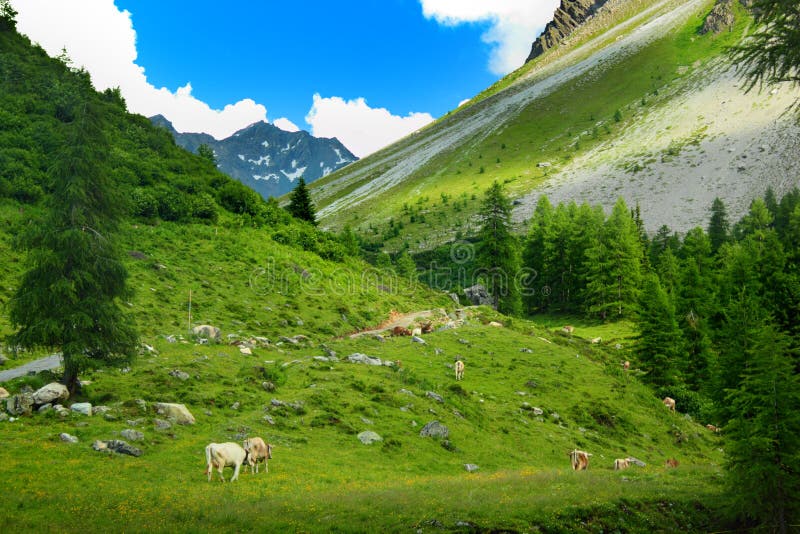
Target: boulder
(45,407)
(180,375)
(720,18)
(477,295)
(434,396)
(434,429)
(417,339)
(363,358)
(51,393)
(207,331)
(20,404)
(84,408)
(68,438)
(132,435)
(160,424)
(368,437)
(118,446)
(247,351)
(177,412)
(471,468)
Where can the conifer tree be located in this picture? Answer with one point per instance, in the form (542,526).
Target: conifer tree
(68,298)
(406,266)
(300,203)
(718,226)
(497,256)
(763,434)
(659,341)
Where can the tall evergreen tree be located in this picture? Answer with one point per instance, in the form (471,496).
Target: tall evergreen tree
(68,298)
(406,266)
(300,203)
(718,225)
(614,265)
(763,435)
(207,153)
(497,256)
(658,344)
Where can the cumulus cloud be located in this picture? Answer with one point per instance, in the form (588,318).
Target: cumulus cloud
(286,125)
(362,129)
(100,38)
(513,24)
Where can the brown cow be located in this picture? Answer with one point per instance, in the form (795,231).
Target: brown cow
(568,329)
(257,450)
(427,328)
(626,365)
(669,403)
(712,428)
(621,463)
(671,462)
(579,459)
(401,331)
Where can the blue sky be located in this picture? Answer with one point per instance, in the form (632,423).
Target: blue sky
(365,71)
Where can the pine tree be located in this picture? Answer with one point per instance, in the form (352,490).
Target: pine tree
(718,226)
(68,298)
(763,435)
(207,153)
(406,266)
(659,341)
(300,204)
(498,253)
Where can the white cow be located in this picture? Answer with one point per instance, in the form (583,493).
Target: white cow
(221,455)
(459,370)
(257,450)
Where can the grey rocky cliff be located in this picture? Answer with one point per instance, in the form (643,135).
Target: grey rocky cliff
(567,18)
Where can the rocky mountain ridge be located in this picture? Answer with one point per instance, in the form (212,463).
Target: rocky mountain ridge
(570,15)
(266,158)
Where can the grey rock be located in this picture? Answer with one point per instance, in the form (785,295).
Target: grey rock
(363,358)
(20,404)
(434,429)
(51,393)
(45,408)
(438,351)
(117,446)
(207,331)
(236,405)
(160,424)
(141,404)
(720,18)
(404,391)
(368,437)
(471,468)
(268,418)
(537,411)
(434,396)
(454,298)
(68,438)
(135,422)
(84,408)
(555,416)
(100,410)
(477,295)
(417,339)
(636,461)
(526,349)
(268,386)
(3,416)
(132,435)
(180,375)
(173,411)
(367,421)
(277,402)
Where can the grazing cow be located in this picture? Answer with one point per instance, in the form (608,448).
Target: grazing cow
(459,370)
(221,455)
(626,365)
(427,328)
(712,428)
(401,331)
(669,403)
(569,329)
(671,462)
(257,450)
(596,340)
(416,331)
(579,459)
(622,463)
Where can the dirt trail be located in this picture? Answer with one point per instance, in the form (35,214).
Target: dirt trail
(42,364)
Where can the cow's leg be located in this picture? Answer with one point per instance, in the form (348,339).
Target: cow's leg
(235,472)
(220,468)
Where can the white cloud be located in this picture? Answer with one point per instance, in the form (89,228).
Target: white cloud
(514,24)
(362,129)
(286,125)
(101,38)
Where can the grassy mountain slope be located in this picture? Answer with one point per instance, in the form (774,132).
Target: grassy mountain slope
(549,126)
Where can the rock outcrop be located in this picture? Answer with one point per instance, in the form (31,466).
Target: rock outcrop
(720,18)
(568,17)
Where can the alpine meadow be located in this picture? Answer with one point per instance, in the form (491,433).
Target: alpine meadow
(571,304)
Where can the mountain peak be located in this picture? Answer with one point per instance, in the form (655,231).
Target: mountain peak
(566,19)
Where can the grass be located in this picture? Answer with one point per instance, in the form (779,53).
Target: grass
(322,479)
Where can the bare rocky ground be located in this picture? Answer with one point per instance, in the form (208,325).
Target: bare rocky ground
(711,141)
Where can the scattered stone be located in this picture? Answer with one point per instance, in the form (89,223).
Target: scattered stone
(537,411)
(495,324)
(68,438)
(437,351)
(135,422)
(4,394)
(207,331)
(268,386)
(171,339)
(368,437)
(141,404)
(287,364)
(84,408)
(3,416)
(235,405)
(720,18)
(458,414)
(417,339)
(434,429)
(379,338)
(180,375)
(268,418)
(61,411)
(363,358)
(100,410)
(51,393)
(526,349)
(132,435)
(247,351)
(636,461)
(20,404)
(277,402)
(366,421)
(117,446)
(160,424)
(434,396)
(404,391)
(45,407)
(177,412)
(3,360)
(454,297)
(407,407)
(471,468)
(520,393)
(555,416)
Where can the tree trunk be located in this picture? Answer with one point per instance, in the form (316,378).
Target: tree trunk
(70,378)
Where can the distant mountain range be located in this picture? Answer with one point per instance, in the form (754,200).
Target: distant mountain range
(266,158)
